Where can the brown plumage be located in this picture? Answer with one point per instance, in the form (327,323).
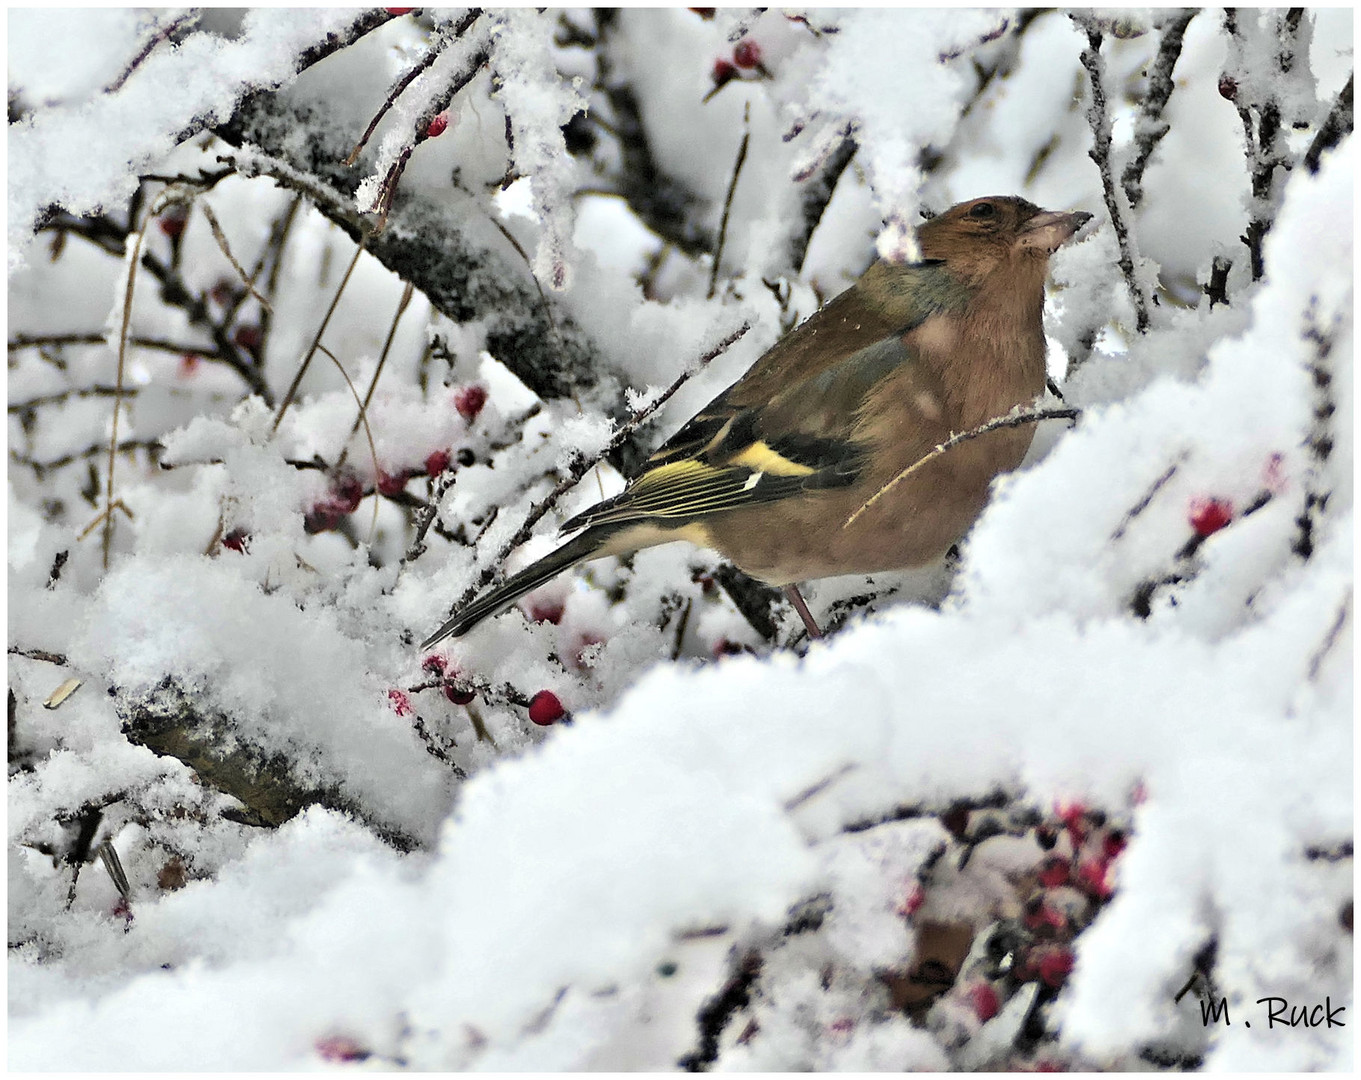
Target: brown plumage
(771,470)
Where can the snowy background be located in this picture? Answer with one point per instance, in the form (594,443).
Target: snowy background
(1036,806)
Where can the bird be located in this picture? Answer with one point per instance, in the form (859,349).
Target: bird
(769,473)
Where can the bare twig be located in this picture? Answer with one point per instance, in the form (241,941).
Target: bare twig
(727,202)
(1011,420)
(316,341)
(38,654)
(382,360)
(155,37)
(1098,117)
(1330,638)
(1143,504)
(25,341)
(125,322)
(246,279)
(1150,127)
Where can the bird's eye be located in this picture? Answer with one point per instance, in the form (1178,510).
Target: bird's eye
(984,211)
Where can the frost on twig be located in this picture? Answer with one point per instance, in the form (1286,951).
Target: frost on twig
(1150,126)
(1117,206)
(1267,86)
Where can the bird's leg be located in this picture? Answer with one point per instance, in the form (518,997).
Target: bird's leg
(796,598)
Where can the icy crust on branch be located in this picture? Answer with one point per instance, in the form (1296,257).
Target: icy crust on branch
(86,157)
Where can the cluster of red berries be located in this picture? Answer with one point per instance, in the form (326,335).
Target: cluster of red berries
(746,56)
(1060,898)
(346,490)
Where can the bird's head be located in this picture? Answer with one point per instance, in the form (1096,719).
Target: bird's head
(1000,232)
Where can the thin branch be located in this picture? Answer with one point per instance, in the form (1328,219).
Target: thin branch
(373,383)
(248,280)
(316,341)
(107,541)
(1331,132)
(1011,420)
(442,42)
(727,202)
(388,189)
(1150,127)
(42,341)
(125,447)
(154,38)
(1098,117)
(38,654)
(820,185)
(1330,638)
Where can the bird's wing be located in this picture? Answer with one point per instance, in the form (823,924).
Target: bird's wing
(805,438)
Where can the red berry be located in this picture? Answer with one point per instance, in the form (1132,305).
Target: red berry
(1072,815)
(249,336)
(437,125)
(724,72)
(1113,844)
(399,10)
(1228,88)
(189,363)
(985,1002)
(549,611)
(340,1048)
(913,904)
(236,540)
(545,708)
(323,517)
(390,484)
(469,402)
(172,222)
(346,492)
(842,1025)
(401,704)
(1054,872)
(1092,878)
(222,291)
(1040,916)
(1055,966)
(434,663)
(1210,515)
(437,462)
(747,54)
(459,694)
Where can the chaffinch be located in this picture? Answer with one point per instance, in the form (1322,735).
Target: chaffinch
(770,471)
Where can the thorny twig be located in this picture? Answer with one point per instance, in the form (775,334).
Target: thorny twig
(1150,126)
(1098,116)
(1011,420)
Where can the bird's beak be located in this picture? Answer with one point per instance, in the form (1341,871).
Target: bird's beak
(1048,230)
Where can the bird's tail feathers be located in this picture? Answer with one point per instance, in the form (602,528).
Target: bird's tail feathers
(585,546)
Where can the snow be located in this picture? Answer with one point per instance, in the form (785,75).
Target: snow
(725,818)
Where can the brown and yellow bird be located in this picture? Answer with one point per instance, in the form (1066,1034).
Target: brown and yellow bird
(769,472)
